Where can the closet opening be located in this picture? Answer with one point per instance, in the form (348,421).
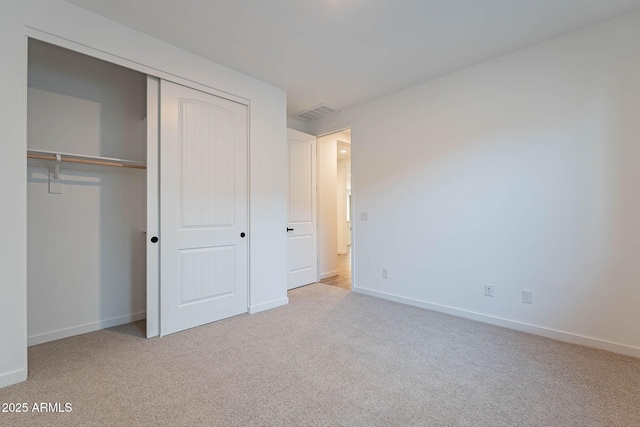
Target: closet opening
(86,194)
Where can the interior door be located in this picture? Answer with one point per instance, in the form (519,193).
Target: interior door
(302,230)
(203,208)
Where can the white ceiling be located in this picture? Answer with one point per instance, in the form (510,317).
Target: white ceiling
(343,52)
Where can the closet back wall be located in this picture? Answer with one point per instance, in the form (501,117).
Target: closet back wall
(86,246)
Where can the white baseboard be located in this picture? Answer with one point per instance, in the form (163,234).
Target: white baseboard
(14,377)
(253,309)
(510,324)
(83,329)
(329,274)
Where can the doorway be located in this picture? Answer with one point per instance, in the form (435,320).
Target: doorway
(334,209)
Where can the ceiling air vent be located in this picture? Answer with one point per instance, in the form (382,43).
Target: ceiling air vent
(316,112)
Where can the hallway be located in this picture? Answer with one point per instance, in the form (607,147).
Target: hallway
(343,279)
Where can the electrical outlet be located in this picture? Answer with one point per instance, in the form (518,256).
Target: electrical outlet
(385,273)
(488,290)
(527,297)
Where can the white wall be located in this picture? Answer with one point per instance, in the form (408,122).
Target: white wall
(296,124)
(84,31)
(86,246)
(522,172)
(327,176)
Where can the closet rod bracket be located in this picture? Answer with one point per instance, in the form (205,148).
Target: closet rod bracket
(55,181)
(56,170)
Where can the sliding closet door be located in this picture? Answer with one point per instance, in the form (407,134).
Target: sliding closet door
(153,207)
(203,205)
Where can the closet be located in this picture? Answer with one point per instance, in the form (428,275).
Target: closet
(87,212)
(137,192)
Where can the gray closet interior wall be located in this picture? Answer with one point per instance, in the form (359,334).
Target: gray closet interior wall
(86,246)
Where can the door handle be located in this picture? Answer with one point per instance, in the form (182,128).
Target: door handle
(154,239)
(289,229)
(242,234)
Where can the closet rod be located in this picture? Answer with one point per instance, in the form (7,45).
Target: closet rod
(72,158)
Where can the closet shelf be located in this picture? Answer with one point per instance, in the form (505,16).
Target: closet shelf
(87,160)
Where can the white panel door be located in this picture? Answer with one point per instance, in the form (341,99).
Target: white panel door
(302,230)
(203,208)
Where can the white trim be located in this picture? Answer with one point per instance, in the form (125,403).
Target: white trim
(253,309)
(21,374)
(329,274)
(249,223)
(14,377)
(510,324)
(354,203)
(337,129)
(83,329)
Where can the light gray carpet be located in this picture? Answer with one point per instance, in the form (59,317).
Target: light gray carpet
(330,357)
